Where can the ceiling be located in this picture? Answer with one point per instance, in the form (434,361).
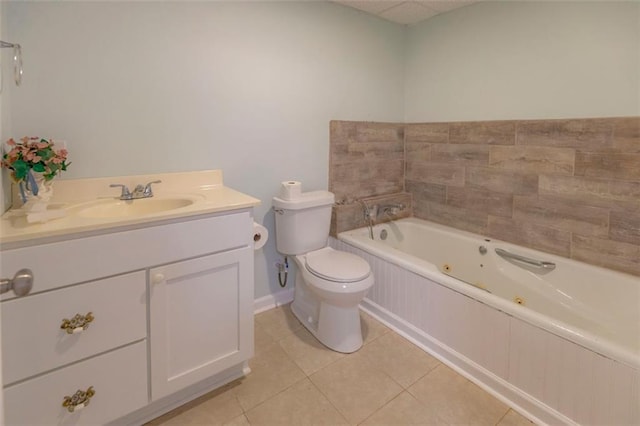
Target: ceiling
(406,12)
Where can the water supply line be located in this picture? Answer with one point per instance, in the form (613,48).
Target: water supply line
(283,267)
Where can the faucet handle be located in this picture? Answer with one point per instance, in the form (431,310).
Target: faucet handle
(148,192)
(125,194)
(392,209)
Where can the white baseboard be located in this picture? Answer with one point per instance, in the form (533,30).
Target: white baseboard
(274,300)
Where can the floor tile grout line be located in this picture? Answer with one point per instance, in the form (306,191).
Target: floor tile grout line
(502,418)
(272,396)
(329,400)
(423,376)
(384,405)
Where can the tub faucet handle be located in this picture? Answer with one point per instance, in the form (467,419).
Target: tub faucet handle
(392,209)
(371,212)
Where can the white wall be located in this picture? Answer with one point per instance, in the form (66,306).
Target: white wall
(525,60)
(6,78)
(249,88)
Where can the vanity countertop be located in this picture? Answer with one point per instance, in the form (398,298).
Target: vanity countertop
(91,206)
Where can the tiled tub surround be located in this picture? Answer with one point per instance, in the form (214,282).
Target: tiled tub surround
(501,348)
(365,159)
(568,187)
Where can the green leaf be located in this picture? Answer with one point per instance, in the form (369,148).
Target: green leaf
(45,154)
(20,169)
(39,167)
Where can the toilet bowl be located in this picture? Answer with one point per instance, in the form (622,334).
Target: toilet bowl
(329,283)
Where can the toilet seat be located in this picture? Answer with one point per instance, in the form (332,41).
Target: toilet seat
(337,266)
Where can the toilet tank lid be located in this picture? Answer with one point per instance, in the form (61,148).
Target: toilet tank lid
(305,201)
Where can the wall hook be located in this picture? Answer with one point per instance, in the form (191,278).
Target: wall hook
(17,60)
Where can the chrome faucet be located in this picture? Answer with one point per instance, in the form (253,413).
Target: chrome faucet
(391,209)
(138,192)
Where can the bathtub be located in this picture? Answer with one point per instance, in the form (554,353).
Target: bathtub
(555,338)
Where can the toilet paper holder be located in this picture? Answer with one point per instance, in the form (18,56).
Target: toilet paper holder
(260,236)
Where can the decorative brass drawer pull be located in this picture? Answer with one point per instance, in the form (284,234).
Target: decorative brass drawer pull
(79,400)
(77,324)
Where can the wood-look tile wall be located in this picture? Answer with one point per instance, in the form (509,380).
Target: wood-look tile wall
(365,159)
(366,165)
(568,187)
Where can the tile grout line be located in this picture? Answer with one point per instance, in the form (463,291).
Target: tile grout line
(328,400)
(502,418)
(383,405)
(272,396)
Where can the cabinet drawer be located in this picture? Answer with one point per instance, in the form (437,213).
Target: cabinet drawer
(33,341)
(82,259)
(119,379)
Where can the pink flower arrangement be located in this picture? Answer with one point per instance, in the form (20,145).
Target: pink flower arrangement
(34,154)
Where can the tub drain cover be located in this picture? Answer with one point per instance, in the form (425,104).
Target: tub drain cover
(338,266)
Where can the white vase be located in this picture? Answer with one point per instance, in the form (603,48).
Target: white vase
(36,193)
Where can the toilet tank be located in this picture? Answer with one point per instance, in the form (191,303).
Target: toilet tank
(302,224)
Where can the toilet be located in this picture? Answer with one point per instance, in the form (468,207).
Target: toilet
(329,283)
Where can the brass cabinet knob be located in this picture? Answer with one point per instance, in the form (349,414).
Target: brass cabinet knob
(77,324)
(79,400)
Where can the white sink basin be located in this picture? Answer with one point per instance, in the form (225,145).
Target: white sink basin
(129,208)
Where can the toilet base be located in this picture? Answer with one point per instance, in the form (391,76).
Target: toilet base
(338,328)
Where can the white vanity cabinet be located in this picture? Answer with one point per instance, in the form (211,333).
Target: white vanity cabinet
(171,306)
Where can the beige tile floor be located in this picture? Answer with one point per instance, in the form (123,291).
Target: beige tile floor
(297,381)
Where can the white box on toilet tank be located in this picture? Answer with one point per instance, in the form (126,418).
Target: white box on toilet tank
(302,224)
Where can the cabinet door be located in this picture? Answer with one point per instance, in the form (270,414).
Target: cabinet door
(201,318)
